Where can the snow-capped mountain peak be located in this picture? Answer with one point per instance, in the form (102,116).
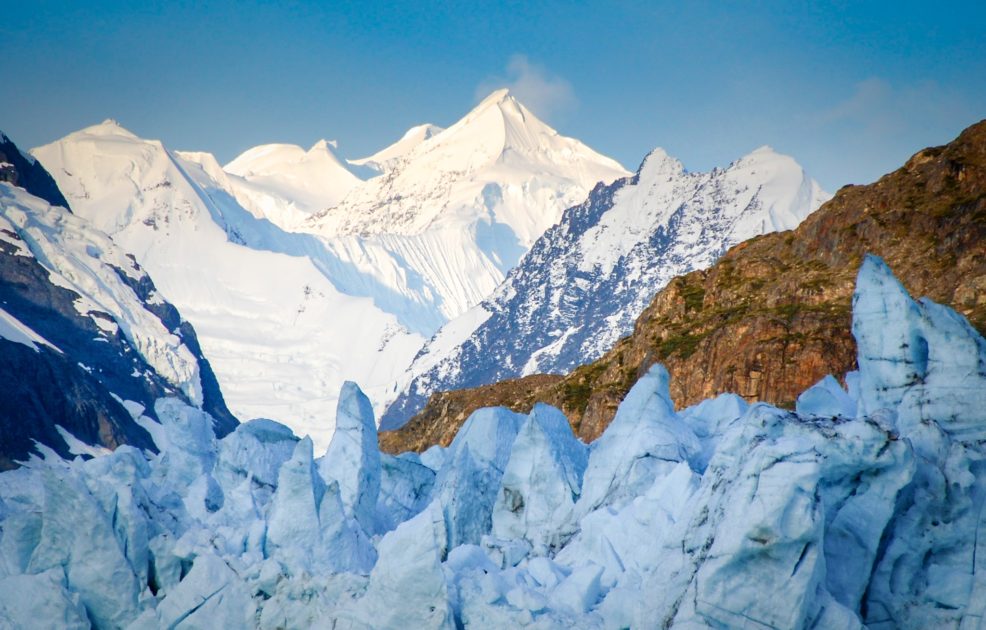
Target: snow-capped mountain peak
(109,127)
(496,165)
(276,159)
(583,283)
(261,309)
(658,163)
(783,189)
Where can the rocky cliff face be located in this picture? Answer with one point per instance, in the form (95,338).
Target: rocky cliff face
(20,169)
(773,315)
(82,331)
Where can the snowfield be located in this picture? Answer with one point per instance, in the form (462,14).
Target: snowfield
(279,334)
(862,506)
(297,274)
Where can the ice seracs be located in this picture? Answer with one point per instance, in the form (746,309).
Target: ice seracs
(477,460)
(645,441)
(920,358)
(722,514)
(541,482)
(353,457)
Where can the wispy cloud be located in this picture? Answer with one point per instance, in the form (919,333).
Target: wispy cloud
(546,94)
(880,109)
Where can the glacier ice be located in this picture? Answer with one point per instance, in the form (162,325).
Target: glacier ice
(467,487)
(541,482)
(293,529)
(645,441)
(405,489)
(353,456)
(826,398)
(920,358)
(44,599)
(862,507)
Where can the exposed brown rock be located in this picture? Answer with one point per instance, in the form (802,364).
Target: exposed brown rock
(773,315)
(445,412)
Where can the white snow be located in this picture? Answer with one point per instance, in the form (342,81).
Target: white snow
(368,270)
(82,258)
(587,279)
(780,192)
(387,158)
(286,184)
(77,446)
(276,330)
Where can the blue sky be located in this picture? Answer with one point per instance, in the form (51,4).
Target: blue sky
(850,89)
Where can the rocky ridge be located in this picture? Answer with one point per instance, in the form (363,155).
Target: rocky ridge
(586,280)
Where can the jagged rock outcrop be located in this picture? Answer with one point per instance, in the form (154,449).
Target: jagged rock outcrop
(772,316)
(20,169)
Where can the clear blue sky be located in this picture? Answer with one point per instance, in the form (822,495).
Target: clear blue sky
(850,89)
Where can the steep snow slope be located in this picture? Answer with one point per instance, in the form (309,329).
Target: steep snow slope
(385,159)
(96,331)
(499,164)
(488,187)
(286,184)
(862,508)
(280,335)
(586,280)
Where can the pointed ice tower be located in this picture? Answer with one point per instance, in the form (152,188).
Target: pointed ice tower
(353,457)
(646,440)
(542,481)
(920,359)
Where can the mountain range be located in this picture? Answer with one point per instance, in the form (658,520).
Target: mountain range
(772,315)
(142,288)
(588,278)
(298,275)
(87,343)
(287,316)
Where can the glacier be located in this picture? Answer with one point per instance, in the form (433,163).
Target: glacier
(860,508)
